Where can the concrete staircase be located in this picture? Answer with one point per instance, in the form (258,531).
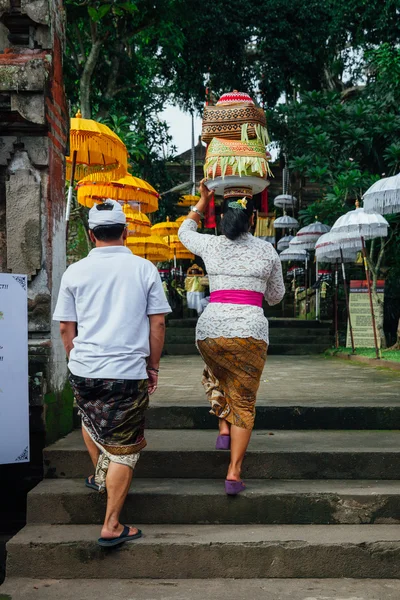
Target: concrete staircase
(320,503)
(287,336)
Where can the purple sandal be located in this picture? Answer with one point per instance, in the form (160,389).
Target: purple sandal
(223,442)
(233,488)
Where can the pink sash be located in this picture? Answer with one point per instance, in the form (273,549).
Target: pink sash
(237,297)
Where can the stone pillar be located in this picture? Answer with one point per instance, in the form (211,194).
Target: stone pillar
(33,143)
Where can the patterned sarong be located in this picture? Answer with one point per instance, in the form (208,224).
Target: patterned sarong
(232,376)
(113,414)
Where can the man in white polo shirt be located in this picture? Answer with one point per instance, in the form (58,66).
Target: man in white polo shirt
(111,307)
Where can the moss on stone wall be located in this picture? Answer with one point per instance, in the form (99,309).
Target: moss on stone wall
(59,413)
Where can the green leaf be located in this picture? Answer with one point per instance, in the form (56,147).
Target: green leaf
(103,10)
(93,13)
(129,7)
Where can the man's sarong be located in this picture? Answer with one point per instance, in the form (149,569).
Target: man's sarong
(232,376)
(113,414)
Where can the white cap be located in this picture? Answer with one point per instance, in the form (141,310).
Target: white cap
(113,216)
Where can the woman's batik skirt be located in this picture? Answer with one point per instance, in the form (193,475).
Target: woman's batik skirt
(113,414)
(232,376)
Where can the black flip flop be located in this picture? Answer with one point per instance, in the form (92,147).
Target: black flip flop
(90,483)
(124,537)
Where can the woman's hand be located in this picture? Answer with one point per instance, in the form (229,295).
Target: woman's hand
(205,193)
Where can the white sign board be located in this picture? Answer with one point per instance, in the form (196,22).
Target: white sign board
(360,313)
(14,394)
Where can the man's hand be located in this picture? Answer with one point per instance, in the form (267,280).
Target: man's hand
(152,381)
(157,335)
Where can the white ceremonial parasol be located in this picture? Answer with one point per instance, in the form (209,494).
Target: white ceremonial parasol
(286,222)
(359,224)
(293,254)
(328,249)
(306,238)
(383,196)
(364,226)
(285,201)
(284,243)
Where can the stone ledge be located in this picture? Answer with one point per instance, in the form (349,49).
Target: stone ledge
(372,362)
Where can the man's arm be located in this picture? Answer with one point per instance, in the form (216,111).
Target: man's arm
(157,336)
(68,333)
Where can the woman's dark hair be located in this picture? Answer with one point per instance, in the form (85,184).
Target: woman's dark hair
(236,221)
(108,233)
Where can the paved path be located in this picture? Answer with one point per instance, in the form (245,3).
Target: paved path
(290,380)
(192,589)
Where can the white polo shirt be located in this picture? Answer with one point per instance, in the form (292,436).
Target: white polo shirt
(109,295)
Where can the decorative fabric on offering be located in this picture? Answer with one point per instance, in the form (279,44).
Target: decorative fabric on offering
(237,192)
(235,97)
(113,414)
(234,122)
(233,157)
(232,376)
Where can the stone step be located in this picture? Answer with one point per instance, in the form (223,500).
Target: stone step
(299,349)
(209,551)
(284,417)
(197,501)
(271,455)
(180,349)
(195,589)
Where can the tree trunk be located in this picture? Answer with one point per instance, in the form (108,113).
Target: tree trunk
(397,344)
(378,303)
(111,88)
(86,78)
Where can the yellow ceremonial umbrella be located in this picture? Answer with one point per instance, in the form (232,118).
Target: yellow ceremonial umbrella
(188,200)
(184,255)
(95,149)
(174,242)
(177,249)
(135,192)
(149,246)
(138,223)
(181,219)
(167,228)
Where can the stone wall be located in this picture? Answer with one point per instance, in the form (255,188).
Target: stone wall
(33,143)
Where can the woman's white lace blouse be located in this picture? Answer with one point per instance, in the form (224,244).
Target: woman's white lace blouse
(246,263)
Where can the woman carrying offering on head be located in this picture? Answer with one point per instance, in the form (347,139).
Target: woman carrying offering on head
(232,332)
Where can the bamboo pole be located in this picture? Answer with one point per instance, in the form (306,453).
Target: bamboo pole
(70,192)
(336,306)
(346,295)
(371,303)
